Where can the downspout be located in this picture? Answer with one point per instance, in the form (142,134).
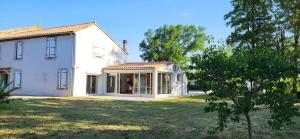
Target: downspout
(73,65)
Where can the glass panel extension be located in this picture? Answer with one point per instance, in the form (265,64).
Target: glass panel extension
(164,83)
(146,83)
(136,83)
(132,83)
(111,81)
(91,84)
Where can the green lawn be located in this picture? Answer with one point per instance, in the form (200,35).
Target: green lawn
(98,118)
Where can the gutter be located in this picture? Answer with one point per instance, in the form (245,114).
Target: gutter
(36,36)
(73,65)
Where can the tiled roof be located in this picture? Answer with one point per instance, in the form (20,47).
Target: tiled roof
(38,32)
(19,30)
(139,65)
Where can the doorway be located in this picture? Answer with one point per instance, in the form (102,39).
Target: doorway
(127,84)
(111,83)
(91,84)
(4,78)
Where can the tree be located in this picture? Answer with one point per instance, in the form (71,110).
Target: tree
(173,43)
(288,16)
(252,23)
(258,72)
(251,79)
(257,23)
(5,90)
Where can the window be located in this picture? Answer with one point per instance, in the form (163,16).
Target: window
(175,67)
(91,84)
(146,83)
(4,78)
(19,50)
(111,81)
(17,79)
(136,83)
(62,80)
(118,84)
(51,48)
(164,83)
(179,78)
(98,52)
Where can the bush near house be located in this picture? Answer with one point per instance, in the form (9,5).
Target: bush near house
(5,90)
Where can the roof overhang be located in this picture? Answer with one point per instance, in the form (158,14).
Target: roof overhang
(128,70)
(138,66)
(37,36)
(5,69)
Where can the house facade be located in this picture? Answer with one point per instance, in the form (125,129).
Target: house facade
(80,60)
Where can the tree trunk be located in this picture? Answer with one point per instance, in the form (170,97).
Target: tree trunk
(282,39)
(249,125)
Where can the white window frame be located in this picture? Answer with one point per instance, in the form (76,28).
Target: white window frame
(168,87)
(60,84)
(50,55)
(98,55)
(17,73)
(115,83)
(17,56)
(179,77)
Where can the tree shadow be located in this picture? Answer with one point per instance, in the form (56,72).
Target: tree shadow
(97,118)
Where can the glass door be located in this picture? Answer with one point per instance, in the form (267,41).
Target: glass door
(91,84)
(3,79)
(146,83)
(111,83)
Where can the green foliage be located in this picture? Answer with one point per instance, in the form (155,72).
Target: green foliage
(252,23)
(261,71)
(288,19)
(250,79)
(172,43)
(5,90)
(272,23)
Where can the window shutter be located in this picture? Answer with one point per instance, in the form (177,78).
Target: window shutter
(62,81)
(17,79)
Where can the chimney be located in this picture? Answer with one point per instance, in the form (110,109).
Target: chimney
(125,45)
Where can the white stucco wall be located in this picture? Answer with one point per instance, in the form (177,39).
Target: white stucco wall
(39,75)
(87,64)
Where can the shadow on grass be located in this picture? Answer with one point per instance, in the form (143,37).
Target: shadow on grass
(91,133)
(96,118)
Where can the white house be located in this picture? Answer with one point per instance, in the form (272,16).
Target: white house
(81,60)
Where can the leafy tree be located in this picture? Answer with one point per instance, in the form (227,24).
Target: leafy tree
(258,72)
(288,17)
(252,23)
(5,90)
(251,79)
(258,23)
(174,43)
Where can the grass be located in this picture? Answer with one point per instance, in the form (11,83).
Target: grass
(98,118)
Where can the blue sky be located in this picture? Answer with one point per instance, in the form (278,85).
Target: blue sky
(122,19)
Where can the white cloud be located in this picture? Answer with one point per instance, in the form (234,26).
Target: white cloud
(186,14)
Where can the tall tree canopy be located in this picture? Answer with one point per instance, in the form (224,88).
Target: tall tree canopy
(175,43)
(252,79)
(252,23)
(263,69)
(288,17)
(267,23)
